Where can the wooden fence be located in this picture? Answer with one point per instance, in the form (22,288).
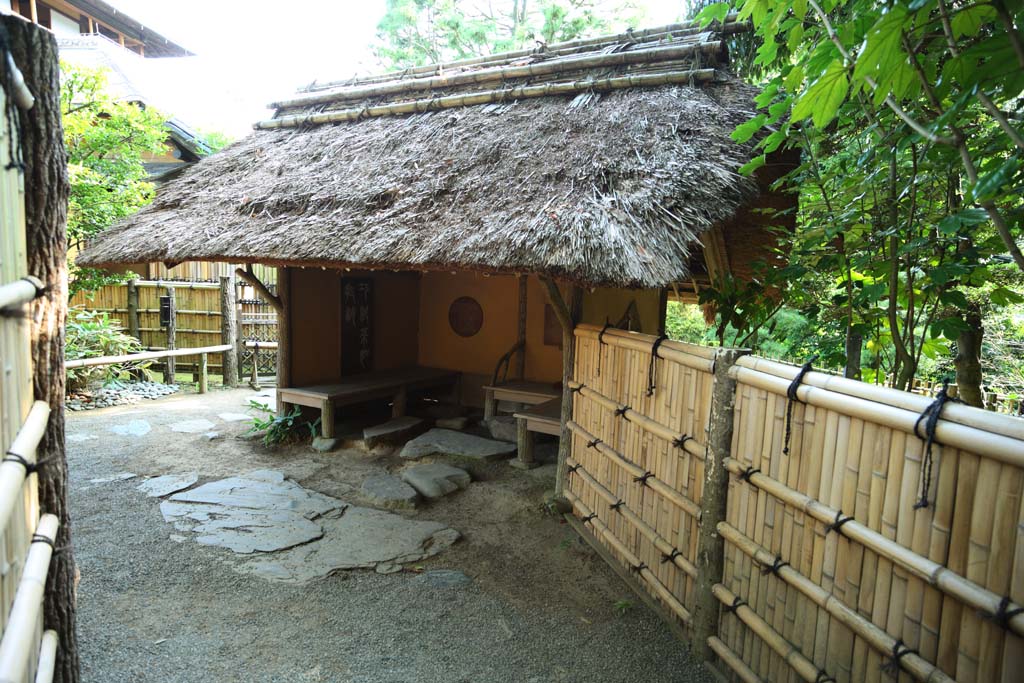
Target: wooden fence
(26,545)
(833,566)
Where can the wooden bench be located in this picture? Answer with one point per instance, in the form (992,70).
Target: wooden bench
(517,391)
(543,418)
(393,384)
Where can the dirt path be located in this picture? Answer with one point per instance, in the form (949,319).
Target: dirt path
(538,606)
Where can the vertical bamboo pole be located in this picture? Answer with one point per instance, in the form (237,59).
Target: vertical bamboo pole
(711,547)
(228,331)
(133,308)
(203,381)
(169,366)
(568,318)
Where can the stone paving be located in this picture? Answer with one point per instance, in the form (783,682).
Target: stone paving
(460,444)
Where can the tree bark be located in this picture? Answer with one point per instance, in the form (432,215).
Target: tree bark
(46,200)
(228,331)
(854,341)
(968,358)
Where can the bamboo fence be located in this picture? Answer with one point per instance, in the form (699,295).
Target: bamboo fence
(831,570)
(23,561)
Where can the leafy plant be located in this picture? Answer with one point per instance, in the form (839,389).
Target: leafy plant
(280,428)
(90,334)
(623,606)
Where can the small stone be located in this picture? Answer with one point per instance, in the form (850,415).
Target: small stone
(393,431)
(325,445)
(457,423)
(234,417)
(210,436)
(120,476)
(448,442)
(503,428)
(133,428)
(435,480)
(444,578)
(387,568)
(177,538)
(387,491)
(158,487)
(193,426)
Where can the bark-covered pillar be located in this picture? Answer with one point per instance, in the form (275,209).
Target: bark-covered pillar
(228,331)
(711,546)
(34,50)
(968,358)
(284,333)
(568,315)
(133,308)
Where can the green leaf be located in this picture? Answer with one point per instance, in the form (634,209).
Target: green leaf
(882,49)
(754,164)
(822,99)
(968,22)
(1001,296)
(716,11)
(747,130)
(990,184)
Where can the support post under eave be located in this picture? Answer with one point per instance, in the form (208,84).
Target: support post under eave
(568,316)
(284,334)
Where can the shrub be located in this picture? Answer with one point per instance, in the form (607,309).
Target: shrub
(91,334)
(280,428)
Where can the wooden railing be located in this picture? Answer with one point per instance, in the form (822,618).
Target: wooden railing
(201,351)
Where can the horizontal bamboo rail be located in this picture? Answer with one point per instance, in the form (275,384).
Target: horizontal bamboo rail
(260,344)
(680,352)
(804,667)
(959,413)
(146,355)
(492,96)
(656,539)
(933,573)
(15,647)
(917,666)
(690,444)
(659,588)
(499,74)
(19,292)
(996,446)
(733,661)
(24,445)
(47,657)
(155,310)
(177,284)
(670,494)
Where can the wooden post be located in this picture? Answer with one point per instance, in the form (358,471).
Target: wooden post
(169,365)
(239,331)
(521,359)
(524,439)
(399,402)
(133,308)
(228,331)
(203,382)
(567,316)
(710,545)
(284,334)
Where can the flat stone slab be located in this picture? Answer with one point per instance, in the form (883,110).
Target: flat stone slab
(435,480)
(242,530)
(449,442)
(133,428)
(392,431)
(261,490)
(234,417)
(503,428)
(120,476)
(158,487)
(359,538)
(197,426)
(388,491)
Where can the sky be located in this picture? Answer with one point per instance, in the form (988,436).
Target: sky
(252,52)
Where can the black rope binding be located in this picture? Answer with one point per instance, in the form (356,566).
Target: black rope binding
(589,517)
(574,468)
(30,467)
(593,444)
(39,538)
(930,417)
(616,505)
(576,390)
(671,556)
(892,664)
(791,398)
(11,113)
(638,567)
(746,474)
(737,602)
(621,412)
(837,524)
(601,342)
(652,366)
(642,479)
(823,677)
(680,441)
(1004,614)
(774,567)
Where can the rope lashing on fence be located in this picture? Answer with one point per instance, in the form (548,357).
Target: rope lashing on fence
(574,468)
(577,389)
(621,412)
(774,567)
(601,342)
(746,474)
(616,505)
(593,444)
(671,557)
(837,524)
(737,602)
(892,665)
(642,479)
(592,515)
(680,441)
(791,398)
(824,677)
(653,364)
(30,467)
(1003,613)
(930,418)
(638,568)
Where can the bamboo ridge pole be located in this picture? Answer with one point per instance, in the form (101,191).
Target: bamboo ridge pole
(503,73)
(917,666)
(28,602)
(1002,448)
(145,355)
(691,445)
(656,539)
(933,573)
(47,657)
(492,96)
(24,445)
(634,562)
(1004,425)
(738,666)
(637,472)
(804,667)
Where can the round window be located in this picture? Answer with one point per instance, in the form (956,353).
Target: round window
(465,316)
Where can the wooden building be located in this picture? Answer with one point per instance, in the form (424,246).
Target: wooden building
(465,216)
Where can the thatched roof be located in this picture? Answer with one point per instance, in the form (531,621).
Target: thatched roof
(609,184)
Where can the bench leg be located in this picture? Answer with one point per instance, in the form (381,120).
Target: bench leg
(525,440)
(327,420)
(489,404)
(398,405)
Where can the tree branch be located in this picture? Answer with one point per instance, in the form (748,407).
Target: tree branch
(249,276)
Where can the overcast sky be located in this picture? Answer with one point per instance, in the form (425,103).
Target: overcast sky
(250,52)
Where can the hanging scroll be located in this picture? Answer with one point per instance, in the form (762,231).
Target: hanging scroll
(356,325)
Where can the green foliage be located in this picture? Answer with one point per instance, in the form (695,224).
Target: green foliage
(216,140)
(106,142)
(416,32)
(280,428)
(90,334)
(623,606)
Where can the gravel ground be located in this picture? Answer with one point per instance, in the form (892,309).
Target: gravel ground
(540,605)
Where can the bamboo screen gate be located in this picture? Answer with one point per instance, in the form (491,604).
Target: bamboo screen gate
(833,570)
(26,545)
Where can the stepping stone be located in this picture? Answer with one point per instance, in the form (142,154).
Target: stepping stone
(448,442)
(322,444)
(133,428)
(456,423)
(120,476)
(387,491)
(234,417)
(262,489)
(158,487)
(435,480)
(242,530)
(193,426)
(392,431)
(503,428)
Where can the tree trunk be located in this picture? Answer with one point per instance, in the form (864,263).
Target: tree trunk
(854,341)
(968,358)
(46,200)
